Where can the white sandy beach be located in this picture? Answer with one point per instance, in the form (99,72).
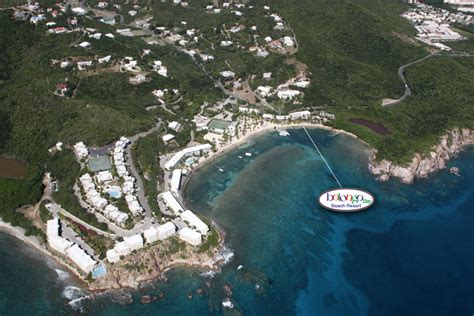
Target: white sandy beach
(255,129)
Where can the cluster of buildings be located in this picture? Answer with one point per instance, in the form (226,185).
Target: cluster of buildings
(190,227)
(179,35)
(135,242)
(67,248)
(103,181)
(128,186)
(129,64)
(300,115)
(119,158)
(285,91)
(219,128)
(159,68)
(160,94)
(432,24)
(99,203)
(34,13)
(80,150)
(462,5)
(174,126)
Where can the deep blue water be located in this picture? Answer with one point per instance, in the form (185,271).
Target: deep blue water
(410,254)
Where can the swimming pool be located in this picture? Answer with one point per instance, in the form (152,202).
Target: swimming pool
(188,162)
(114,192)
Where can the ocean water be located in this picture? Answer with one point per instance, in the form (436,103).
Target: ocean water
(410,254)
(31,284)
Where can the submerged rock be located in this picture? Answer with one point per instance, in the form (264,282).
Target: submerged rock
(145,299)
(454,170)
(122,298)
(227,289)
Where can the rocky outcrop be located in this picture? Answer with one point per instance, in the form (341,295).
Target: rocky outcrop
(421,166)
(150,263)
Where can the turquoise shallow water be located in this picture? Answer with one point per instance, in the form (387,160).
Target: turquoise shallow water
(410,254)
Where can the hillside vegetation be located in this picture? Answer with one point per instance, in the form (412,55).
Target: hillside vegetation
(353,49)
(32,118)
(350,48)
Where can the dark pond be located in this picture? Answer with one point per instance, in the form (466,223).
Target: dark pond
(12,168)
(374,126)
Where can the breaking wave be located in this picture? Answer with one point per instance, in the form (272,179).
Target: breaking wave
(76,296)
(227,254)
(72,292)
(208,274)
(62,275)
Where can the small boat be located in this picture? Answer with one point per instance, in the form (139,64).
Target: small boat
(248,154)
(220,169)
(240,157)
(240,267)
(283,132)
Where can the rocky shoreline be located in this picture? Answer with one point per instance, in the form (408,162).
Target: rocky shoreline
(151,264)
(423,165)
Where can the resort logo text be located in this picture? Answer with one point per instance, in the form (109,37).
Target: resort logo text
(346,200)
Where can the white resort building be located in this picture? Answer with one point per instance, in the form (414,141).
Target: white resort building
(195,221)
(190,151)
(68,248)
(171,202)
(81,150)
(176,180)
(161,232)
(190,236)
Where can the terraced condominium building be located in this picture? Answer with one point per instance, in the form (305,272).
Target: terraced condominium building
(462,5)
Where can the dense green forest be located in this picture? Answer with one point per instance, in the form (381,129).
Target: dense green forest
(350,48)
(353,50)
(146,154)
(443,91)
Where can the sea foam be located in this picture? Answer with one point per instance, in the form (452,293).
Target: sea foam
(72,292)
(62,275)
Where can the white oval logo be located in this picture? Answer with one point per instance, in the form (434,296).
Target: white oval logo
(346,200)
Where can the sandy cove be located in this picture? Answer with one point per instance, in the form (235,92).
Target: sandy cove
(130,280)
(422,165)
(260,129)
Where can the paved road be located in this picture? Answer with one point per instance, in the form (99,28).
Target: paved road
(131,167)
(401,74)
(71,235)
(56,209)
